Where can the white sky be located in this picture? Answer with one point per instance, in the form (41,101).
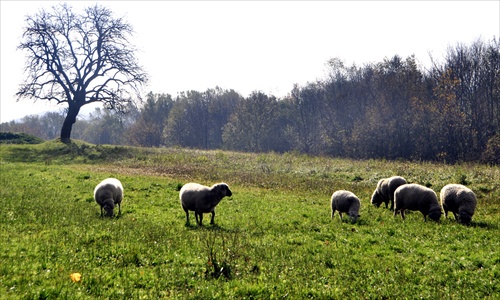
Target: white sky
(259,45)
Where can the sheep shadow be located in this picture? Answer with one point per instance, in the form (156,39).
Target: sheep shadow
(360,222)
(113,217)
(195,226)
(482,224)
(216,228)
(472,224)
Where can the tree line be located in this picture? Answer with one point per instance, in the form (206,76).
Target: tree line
(393,109)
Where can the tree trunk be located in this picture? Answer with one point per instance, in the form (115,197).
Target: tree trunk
(68,123)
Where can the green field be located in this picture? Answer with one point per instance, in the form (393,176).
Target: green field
(273,239)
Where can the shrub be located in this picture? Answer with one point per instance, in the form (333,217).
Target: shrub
(19,138)
(492,153)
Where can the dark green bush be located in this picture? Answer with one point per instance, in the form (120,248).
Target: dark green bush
(19,138)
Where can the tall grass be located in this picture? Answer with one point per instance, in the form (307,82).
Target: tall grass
(273,238)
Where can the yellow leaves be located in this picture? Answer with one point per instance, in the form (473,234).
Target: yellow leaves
(76,277)
(446,87)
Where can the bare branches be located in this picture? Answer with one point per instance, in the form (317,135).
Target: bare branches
(79,59)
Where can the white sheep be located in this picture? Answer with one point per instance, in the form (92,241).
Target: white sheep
(107,194)
(385,190)
(460,200)
(417,197)
(345,202)
(202,199)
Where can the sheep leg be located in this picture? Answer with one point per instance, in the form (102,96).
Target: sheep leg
(213,216)
(333,213)
(200,215)
(403,214)
(187,214)
(101,212)
(340,214)
(456,216)
(119,209)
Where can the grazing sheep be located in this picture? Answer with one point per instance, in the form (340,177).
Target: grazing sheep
(202,199)
(345,202)
(417,197)
(460,200)
(107,194)
(385,190)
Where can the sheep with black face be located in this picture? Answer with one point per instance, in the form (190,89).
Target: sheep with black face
(384,193)
(109,193)
(417,197)
(460,200)
(202,199)
(345,202)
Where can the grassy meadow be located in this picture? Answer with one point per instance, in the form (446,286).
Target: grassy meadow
(273,239)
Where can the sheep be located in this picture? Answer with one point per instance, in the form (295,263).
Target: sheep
(202,199)
(417,197)
(460,200)
(385,190)
(107,194)
(345,202)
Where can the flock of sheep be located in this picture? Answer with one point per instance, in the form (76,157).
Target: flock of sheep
(458,199)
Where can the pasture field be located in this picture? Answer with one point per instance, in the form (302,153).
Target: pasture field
(273,239)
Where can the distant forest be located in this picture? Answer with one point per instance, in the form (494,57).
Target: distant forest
(393,109)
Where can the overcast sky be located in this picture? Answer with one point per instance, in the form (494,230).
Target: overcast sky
(259,45)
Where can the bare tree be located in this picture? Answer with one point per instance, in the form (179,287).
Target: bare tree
(79,59)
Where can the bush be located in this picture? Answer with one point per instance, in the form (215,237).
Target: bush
(19,138)
(492,153)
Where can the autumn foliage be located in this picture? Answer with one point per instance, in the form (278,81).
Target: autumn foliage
(393,109)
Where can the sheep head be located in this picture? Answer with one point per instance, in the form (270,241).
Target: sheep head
(223,190)
(464,217)
(108,205)
(435,214)
(354,217)
(376,199)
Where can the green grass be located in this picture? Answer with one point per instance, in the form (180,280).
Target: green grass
(273,238)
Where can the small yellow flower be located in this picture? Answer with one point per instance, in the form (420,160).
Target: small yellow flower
(76,277)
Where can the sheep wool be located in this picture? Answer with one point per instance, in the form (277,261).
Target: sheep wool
(384,192)
(107,194)
(417,197)
(345,202)
(202,199)
(460,200)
